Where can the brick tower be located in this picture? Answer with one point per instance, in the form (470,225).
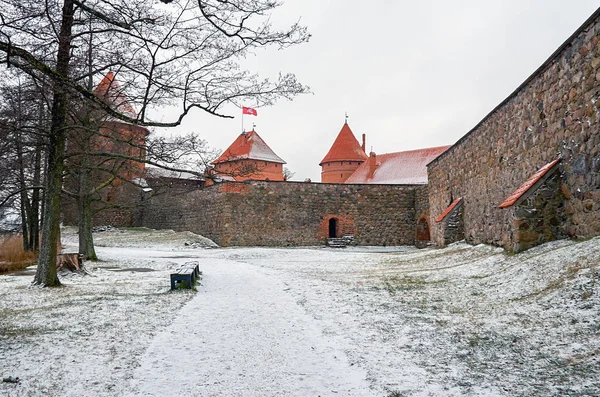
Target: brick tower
(344,157)
(249,158)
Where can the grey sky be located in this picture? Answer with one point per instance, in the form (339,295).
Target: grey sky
(410,74)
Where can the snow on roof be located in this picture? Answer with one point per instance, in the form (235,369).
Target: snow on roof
(529,183)
(345,148)
(155,172)
(111,92)
(249,146)
(398,168)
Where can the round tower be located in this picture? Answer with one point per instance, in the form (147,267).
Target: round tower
(343,158)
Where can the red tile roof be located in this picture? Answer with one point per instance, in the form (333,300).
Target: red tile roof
(521,190)
(345,148)
(249,146)
(448,210)
(111,92)
(398,168)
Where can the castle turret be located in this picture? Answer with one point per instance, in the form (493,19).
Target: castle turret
(344,157)
(249,158)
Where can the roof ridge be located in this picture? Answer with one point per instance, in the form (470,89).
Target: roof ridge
(345,147)
(249,146)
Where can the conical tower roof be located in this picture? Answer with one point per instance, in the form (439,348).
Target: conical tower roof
(345,148)
(111,92)
(249,146)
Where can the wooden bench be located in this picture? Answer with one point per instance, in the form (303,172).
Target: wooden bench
(188,272)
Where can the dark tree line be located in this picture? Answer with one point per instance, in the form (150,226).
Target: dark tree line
(185,54)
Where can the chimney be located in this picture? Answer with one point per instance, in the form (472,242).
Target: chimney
(372,164)
(364,143)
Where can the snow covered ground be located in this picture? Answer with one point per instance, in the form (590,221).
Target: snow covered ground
(364,321)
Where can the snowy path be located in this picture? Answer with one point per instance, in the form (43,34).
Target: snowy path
(243,334)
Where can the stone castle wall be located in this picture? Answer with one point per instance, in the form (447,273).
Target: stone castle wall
(290,213)
(555,113)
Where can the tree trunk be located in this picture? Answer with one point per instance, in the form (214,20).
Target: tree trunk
(84,201)
(34,216)
(25,205)
(86,240)
(84,206)
(46,270)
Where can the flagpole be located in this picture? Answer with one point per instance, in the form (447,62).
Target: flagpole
(242,121)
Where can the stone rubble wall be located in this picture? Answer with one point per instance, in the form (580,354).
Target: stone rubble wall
(553,114)
(290,213)
(453,227)
(540,216)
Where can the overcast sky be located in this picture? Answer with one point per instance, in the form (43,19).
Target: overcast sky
(410,74)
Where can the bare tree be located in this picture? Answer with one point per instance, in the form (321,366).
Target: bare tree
(185,53)
(23,109)
(287,174)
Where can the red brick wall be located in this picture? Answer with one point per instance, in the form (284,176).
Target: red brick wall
(338,171)
(243,170)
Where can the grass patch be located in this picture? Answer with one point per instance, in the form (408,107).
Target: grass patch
(20,332)
(406,283)
(13,256)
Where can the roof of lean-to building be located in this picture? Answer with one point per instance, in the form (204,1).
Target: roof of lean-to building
(345,148)
(448,210)
(398,168)
(111,92)
(528,184)
(249,146)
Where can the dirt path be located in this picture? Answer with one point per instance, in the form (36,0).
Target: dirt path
(242,334)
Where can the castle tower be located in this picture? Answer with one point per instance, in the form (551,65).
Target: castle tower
(117,136)
(117,148)
(249,158)
(344,157)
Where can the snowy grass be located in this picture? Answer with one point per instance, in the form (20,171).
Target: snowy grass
(459,321)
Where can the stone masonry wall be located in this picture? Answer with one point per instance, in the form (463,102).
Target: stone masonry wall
(290,213)
(540,216)
(555,113)
(453,225)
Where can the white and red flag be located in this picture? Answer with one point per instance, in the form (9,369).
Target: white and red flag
(249,111)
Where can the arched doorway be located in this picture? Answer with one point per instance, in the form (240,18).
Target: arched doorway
(333,222)
(423,235)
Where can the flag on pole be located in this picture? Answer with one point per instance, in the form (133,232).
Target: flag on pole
(249,111)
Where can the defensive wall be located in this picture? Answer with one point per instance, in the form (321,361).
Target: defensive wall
(553,115)
(271,213)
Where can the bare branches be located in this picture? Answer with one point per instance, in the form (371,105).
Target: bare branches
(237,19)
(182,53)
(185,54)
(102,16)
(10,195)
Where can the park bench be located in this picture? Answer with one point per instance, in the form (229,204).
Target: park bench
(189,272)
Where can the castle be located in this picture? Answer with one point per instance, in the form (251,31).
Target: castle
(528,173)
